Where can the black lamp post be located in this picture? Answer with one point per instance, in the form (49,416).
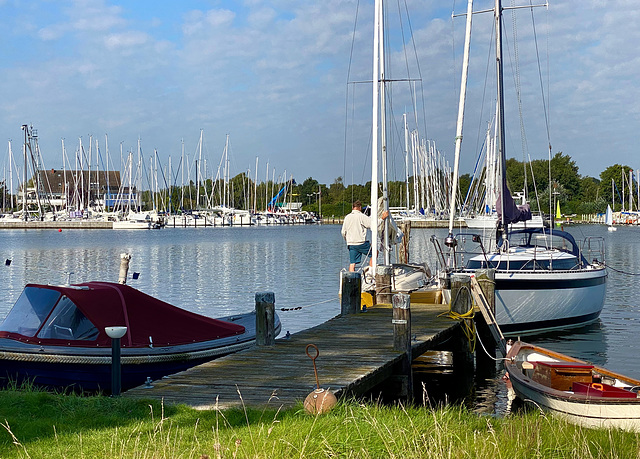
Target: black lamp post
(115,333)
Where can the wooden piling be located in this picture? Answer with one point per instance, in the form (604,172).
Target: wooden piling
(401,320)
(403,247)
(124,267)
(265,318)
(350,296)
(383,284)
(486,280)
(460,294)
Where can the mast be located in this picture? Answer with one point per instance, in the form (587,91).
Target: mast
(463,92)
(182,175)
(24,181)
(198,175)
(374,148)
(11,176)
(500,140)
(406,159)
(255,189)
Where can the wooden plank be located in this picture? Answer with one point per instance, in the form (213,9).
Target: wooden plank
(356,354)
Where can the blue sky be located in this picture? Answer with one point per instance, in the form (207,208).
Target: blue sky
(273,75)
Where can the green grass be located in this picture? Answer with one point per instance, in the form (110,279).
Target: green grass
(40,424)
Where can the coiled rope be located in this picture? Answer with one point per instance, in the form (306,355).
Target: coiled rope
(466,319)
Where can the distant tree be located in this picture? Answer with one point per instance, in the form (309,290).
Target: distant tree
(464,182)
(613,174)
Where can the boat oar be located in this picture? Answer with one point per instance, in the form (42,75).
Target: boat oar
(320,400)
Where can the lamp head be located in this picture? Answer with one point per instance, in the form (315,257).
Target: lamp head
(115,332)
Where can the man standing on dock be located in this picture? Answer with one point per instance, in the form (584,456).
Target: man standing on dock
(354,231)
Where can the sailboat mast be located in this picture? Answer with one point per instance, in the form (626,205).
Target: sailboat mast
(500,114)
(374,128)
(463,95)
(406,159)
(11,176)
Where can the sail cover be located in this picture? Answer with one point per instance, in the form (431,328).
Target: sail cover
(512,213)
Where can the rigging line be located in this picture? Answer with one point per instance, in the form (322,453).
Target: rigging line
(484,93)
(346,108)
(523,136)
(415,48)
(406,59)
(535,40)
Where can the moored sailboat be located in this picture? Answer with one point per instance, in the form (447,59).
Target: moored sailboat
(543,278)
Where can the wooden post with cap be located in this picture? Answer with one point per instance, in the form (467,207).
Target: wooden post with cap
(401,320)
(265,318)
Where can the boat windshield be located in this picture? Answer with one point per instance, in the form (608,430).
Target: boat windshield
(31,309)
(68,322)
(61,318)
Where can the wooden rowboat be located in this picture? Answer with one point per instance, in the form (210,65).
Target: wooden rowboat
(581,393)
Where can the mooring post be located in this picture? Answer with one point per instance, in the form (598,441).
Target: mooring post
(124,267)
(460,294)
(461,304)
(350,297)
(403,247)
(383,284)
(401,320)
(486,280)
(265,318)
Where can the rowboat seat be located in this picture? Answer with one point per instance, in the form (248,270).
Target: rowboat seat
(561,375)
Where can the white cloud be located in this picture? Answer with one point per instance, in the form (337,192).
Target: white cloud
(126,40)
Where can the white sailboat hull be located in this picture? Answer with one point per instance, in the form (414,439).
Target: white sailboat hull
(529,301)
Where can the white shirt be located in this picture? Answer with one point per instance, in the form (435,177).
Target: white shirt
(354,227)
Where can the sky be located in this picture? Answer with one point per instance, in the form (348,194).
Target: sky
(289,82)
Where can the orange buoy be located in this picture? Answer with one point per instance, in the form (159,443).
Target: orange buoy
(319,401)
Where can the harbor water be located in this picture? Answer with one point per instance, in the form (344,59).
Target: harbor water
(217,271)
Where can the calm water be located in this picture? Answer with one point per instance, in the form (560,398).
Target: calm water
(217,271)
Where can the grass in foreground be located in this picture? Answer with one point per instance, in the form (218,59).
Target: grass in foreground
(41,424)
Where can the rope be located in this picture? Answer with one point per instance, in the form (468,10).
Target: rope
(487,352)
(619,271)
(297,308)
(466,319)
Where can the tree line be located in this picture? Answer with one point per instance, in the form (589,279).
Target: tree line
(546,182)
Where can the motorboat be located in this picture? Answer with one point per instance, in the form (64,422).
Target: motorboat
(55,336)
(573,389)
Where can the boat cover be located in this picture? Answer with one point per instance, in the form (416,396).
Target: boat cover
(77,315)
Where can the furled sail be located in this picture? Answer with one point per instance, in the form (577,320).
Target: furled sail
(513,213)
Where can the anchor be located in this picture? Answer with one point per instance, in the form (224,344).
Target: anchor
(319,401)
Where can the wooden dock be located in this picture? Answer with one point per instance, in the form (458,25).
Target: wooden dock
(355,354)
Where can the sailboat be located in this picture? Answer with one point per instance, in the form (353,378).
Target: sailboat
(608,219)
(558,214)
(543,278)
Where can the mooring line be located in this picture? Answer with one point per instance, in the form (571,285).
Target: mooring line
(620,271)
(297,308)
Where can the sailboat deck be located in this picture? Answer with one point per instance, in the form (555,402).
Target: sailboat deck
(355,354)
